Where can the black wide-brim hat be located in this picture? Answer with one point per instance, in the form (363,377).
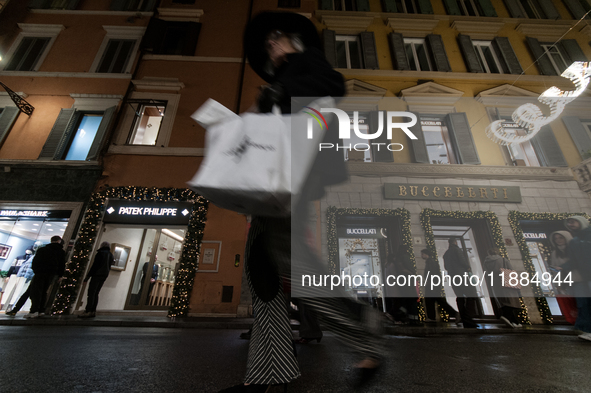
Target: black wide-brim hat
(288,22)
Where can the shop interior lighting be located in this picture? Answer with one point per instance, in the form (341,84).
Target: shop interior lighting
(530,116)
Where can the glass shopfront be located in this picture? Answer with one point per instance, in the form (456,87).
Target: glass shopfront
(22,232)
(146,240)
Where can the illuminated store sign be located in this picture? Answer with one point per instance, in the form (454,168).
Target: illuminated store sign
(531,235)
(452,192)
(16,214)
(361,231)
(148,212)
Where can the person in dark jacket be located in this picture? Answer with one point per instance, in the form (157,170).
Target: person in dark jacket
(98,273)
(49,262)
(433,295)
(506,298)
(284,48)
(579,267)
(457,264)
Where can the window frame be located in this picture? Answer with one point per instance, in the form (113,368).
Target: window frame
(119,33)
(403,7)
(29,30)
(134,124)
(546,47)
(452,155)
(124,129)
(475,6)
(478,44)
(413,42)
(535,7)
(349,38)
(76,122)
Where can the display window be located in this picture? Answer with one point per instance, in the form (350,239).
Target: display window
(22,232)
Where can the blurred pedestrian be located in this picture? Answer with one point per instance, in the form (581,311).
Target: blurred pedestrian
(559,257)
(98,274)
(25,271)
(579,267)
(285,49)
(507,298)
(457,264)
(433,295)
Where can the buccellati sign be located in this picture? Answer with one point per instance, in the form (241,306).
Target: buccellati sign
(461,193)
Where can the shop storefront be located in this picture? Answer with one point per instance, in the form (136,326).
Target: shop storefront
(508,215)
(24,228)
(147,240)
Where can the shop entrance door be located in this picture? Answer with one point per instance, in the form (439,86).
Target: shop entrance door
(470,245)
(155,270)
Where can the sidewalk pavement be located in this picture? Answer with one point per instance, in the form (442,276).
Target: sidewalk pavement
(428,329)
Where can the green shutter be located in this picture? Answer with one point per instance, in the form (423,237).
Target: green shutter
(549,9)
(438,52)
(514,9)
(425,7)
(57,139)
(573,50)
(469,53)
(575,8)
(578,133)
(461,136)
(325,5)
(508,54)
(368,47)
(362,5)
(541,59)
(452,8)
(383,155)
(7,118)
(100,134)
(389,5)
(153,39)
(330,50)
(547,148)
(418,146)
(487,8)
(192,35)
(398,53)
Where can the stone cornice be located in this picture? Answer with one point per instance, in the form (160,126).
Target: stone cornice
(460,171)
(478,29)
(412,27)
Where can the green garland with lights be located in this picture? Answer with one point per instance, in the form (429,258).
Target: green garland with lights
(514,218)
(87,236)
(495,227)
(333,213)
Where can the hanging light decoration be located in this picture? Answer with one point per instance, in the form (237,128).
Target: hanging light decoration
(530,116)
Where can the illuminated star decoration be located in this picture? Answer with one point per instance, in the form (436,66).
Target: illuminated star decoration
(530,116)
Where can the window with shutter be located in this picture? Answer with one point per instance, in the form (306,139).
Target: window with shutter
(516,154)
(54,4)
(438,53)
(147,121)
(8,116)
(418,146)
(413,6)
(580,132)
(490,61)
(548,149)
(344,5)
(460,134)
(417,54)
(348,52)
(137,5)
(578,8)
(116,56)
(437,140)
(330,50)
(542,59)
(504,49)
(473,62)
(27,55)
(368,47)
(77,135)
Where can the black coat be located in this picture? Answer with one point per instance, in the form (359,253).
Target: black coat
(455,261)
(308,74)
(102,263)
(50,260)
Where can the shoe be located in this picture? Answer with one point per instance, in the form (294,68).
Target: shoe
(507,322)
(10,313)
(364,376)
(254,388)
(41,314)
(517,325)
(87,314)
(585,336)
(245,335)
(303,340)
(32,315)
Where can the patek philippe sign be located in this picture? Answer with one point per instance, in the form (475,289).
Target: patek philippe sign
(465,193)
(147,212)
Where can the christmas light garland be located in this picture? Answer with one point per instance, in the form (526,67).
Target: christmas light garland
(494,225)
(87,236)
(333,213)
(514,218)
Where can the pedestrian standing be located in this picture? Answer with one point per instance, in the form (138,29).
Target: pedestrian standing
(507,298)
(48,264)
(559,257)
(457,264)
(25,271)
(579,266)
(433,295)
(284,49)
(98,273)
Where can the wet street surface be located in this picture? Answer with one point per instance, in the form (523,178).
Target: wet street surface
(113,359)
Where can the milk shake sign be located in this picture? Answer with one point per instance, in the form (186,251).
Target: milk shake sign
(345,129)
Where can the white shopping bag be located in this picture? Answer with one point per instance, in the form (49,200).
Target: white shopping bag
(248,162)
